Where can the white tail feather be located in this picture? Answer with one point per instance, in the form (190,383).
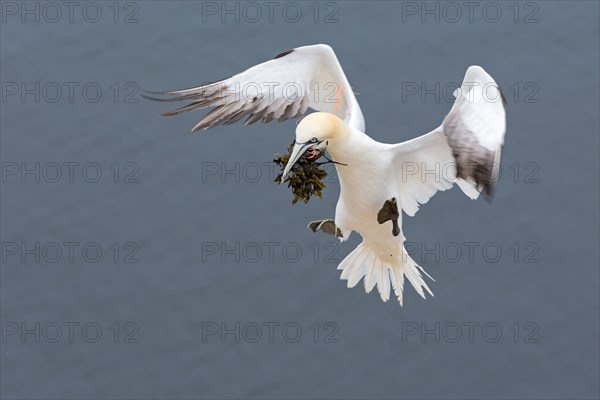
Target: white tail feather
(363,262)
(358,273)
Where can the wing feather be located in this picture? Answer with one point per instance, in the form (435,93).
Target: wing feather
(465,149)
(281,89)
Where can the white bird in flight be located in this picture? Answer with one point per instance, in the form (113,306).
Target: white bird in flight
(377,180)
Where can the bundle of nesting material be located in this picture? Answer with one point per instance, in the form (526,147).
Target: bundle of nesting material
(306,176)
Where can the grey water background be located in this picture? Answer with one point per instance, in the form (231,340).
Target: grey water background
(178,209)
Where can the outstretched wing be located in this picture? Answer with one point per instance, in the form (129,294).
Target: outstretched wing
(281,88)
(465,149)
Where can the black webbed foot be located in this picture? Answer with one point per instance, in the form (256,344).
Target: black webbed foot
(326,225)
(388,212)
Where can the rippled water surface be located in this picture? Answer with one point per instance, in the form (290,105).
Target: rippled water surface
(515,312)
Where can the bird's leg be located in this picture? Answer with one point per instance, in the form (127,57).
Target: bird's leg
(326,225)
(388,212)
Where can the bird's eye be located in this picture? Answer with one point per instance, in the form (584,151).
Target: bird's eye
(313,140)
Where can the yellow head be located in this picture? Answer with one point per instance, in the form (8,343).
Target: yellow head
(320,125)
(314,133)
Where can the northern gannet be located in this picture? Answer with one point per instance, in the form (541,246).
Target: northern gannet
(377,180)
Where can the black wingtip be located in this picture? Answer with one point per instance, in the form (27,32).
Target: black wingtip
(149,95)
(152,91)
(488,191)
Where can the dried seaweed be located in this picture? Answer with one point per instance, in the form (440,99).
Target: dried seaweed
(306,177)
